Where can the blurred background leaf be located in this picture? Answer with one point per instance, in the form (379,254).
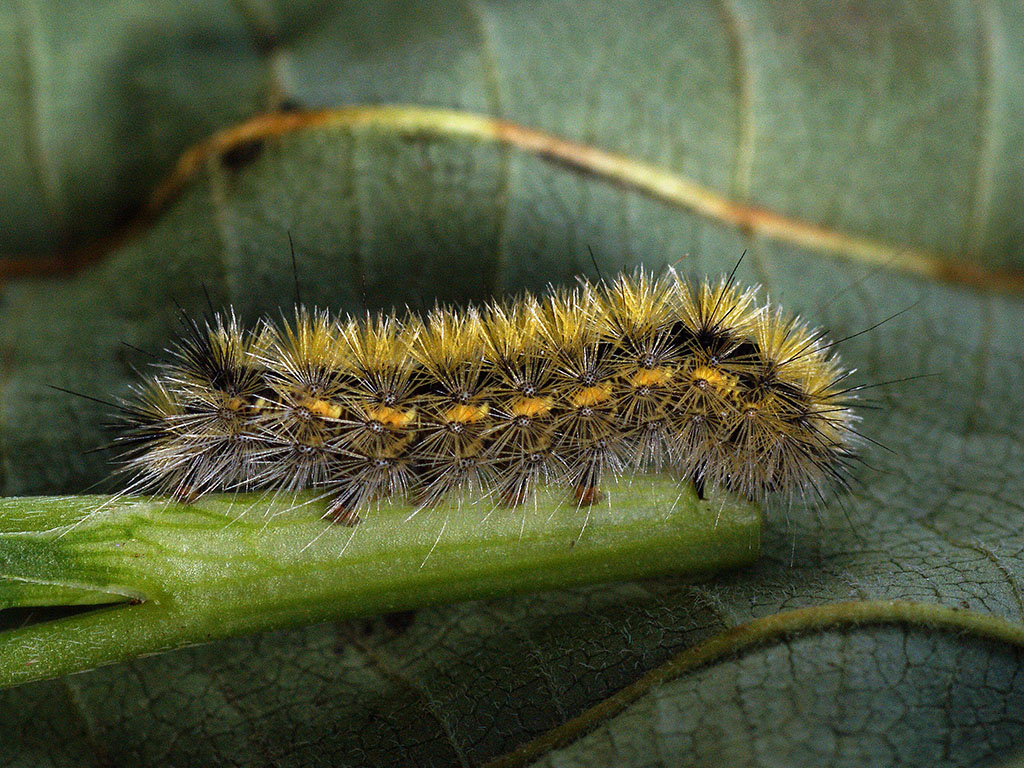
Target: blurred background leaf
(897,123)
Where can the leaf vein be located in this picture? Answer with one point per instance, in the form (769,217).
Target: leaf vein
(760,632)
(35,147)
(743,156)
(990,45)
(492,85)
(77,706)
(402,680)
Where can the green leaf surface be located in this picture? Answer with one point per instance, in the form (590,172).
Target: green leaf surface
(868,696)
(903,122)
(866,123)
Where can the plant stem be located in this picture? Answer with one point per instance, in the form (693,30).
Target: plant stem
(230,565)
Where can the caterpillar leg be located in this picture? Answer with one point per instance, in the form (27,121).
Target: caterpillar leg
(341,513)
(185,495)
(586,495)
(362,479)
(591,465)
(343,508)
(515,496)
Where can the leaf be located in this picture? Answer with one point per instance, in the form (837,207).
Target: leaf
(864,698)
(900,123)
(387,217)
(99,98)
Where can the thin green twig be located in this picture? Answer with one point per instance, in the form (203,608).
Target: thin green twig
(179,575)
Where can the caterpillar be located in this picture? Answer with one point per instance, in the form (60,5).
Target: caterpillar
(639,373)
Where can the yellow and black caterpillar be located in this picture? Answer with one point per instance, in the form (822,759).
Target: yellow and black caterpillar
(641,373)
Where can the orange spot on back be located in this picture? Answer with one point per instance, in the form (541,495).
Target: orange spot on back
(590,396)
(532,407)
(651,377)
(392,417)
(714,378)
(319,407)
(467,414)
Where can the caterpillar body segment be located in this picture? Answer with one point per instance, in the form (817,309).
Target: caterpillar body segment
(643,373)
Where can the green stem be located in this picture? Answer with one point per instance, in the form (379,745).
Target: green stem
(230,565)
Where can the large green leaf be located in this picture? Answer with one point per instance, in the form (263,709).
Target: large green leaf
(902,122)
(384,215)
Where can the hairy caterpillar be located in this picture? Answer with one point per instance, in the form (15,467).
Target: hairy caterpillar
(641,373)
